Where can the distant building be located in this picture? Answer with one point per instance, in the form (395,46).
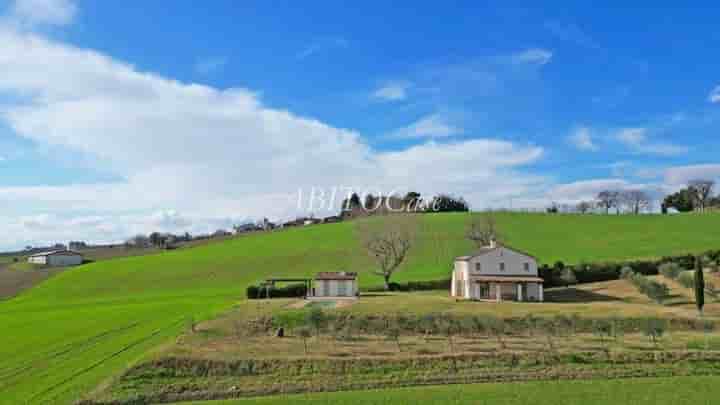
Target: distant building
(332,219)
(338,284)
(238,229)
(77,245)
(57,258)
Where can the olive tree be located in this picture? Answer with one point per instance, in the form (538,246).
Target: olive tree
(305,334)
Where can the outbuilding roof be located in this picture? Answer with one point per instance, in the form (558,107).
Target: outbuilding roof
(335,275)
(56,252)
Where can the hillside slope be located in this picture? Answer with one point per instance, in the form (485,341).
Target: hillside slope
(67,334)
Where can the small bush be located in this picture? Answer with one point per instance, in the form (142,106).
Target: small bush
(687,279)
(626,273)
(670,270)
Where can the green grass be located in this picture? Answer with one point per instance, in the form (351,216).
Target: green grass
(650,391)
(71,332)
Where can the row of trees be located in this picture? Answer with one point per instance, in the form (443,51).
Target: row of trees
(317,323)
(412,202)
(697,196)
(158,240)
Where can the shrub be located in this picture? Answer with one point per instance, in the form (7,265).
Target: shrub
(568,276)
(670,270)
(656,291)
(686,279)
(626,272)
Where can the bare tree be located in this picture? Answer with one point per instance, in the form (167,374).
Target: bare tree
(584,207)
(608,199)
(482,230)
(701,191)
(636,200)
(388,242)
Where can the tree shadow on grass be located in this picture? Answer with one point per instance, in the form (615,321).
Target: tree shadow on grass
(573,295)
(376,295)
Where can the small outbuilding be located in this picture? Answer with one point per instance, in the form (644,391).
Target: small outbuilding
(340,284)
(57,258)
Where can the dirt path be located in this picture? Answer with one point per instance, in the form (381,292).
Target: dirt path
(13,282)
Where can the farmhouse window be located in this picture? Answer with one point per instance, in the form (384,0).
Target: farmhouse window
(502,266)
(342,289)
(326,288)
(478,266)
(527,266)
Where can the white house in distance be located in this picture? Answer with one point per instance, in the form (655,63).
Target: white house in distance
(338,284)
(56,258)
(497,273)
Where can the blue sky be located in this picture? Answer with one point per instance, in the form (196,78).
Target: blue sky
(125,117)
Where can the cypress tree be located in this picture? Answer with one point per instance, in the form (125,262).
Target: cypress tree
(699,285)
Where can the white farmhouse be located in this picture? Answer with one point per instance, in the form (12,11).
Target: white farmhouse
(56,258)
(339,284)
(497,273)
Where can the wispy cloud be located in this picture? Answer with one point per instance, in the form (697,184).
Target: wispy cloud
(431,126)
(321,45)
(638,141)
(210,65)
(571,33)
(536,56)
(582,139)
(43,12)
(392,91)
(714,96)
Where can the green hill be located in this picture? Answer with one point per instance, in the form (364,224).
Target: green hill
(66,335)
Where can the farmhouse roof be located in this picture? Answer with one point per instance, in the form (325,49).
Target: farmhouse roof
(505,279)
(485,250)
(335,275)
(55,252)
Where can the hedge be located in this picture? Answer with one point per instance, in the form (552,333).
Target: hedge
(290,291)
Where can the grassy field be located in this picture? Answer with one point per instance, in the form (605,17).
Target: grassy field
(646,391)
(84,325)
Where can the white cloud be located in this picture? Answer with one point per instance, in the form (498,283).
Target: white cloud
(393,91)
(431,126)
(681,175)
(210,65)
(39,12)
(587,190)
(638,141)
(582,139)
(536,56)
(200,157)
(321,45)
(714,96)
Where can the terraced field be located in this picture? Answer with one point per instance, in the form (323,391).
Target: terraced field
(648,391)
(80,327)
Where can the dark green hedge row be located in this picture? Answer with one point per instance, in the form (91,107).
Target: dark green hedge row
(416,286)
(290,291)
